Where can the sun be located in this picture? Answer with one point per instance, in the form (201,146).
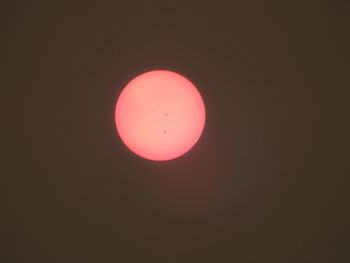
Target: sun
(160,115)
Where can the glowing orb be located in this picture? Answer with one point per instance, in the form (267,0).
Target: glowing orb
(160,115)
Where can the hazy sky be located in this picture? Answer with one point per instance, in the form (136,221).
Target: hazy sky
(266,181)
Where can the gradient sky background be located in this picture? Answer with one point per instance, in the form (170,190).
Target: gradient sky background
(267,181)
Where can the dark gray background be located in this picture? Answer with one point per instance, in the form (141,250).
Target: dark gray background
(266,181)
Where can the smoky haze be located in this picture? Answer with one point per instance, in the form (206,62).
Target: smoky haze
(266,180)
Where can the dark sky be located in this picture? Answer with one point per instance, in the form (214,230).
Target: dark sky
(265,183)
